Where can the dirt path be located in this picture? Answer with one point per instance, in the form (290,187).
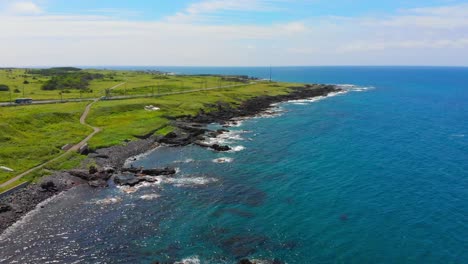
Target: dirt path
(97,129)
(74,148)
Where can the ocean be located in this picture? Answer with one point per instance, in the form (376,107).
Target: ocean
(375,175)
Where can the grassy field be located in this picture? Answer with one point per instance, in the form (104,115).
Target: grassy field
(137,83)
(31,135)
(124,119)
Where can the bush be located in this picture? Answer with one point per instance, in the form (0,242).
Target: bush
(25,82)
(4,87)
(17,91)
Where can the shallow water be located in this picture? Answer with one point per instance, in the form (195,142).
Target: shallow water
(372,176)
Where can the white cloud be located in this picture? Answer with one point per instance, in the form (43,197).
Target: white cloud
(24,8)
(206,10)
(417,36)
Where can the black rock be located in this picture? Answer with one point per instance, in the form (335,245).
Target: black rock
(82,174)
(5,208)
(129,179)
(220,148)
(151,172)
(49,186)
(98,183)
(244,261)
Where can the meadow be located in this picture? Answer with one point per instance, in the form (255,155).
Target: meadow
(31,135)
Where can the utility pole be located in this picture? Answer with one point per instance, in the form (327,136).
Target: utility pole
(11,100)
(23,90)
(270,73)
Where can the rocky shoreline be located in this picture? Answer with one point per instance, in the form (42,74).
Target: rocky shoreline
(109,162)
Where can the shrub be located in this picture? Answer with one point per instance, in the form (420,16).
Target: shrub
(4,87)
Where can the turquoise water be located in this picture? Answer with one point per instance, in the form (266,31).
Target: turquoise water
(372,176)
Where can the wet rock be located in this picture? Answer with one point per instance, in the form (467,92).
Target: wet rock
(108,169)
(82,174)
(49,186)
(220,148)
(244,261)
(127,178)
(5,208)
(152,172)
(98,183)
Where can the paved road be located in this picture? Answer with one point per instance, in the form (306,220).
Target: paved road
(35,102)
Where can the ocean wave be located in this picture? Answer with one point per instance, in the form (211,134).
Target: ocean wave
(189,260)
(458,135)
(223,160)
(184,161)
(189,182)
(134,189)
(237,149)
(354,88)
(233,123)
(150,196)
(108,201)
(225,138)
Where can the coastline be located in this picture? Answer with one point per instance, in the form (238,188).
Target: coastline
(189,130)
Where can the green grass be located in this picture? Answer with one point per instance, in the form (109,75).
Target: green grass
(122,120)
(31,135)
(136,83)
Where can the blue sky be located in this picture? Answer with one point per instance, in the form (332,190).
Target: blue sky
(228,32)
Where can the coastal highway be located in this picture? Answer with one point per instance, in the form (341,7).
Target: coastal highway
(122,97)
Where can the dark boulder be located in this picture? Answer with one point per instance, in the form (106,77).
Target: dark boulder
(48,186)
(244,261)
(5,208)
(220,148)
(98,183)
(82,174)
(152,172)
(126,178)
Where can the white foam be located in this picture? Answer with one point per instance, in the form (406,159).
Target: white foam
(134,189)
(225,138)
(188,182)
(458,135)
(190,260)
(150,196)
(108,201)
(354,88)
(184,161)
(234,123)
(223,160)
(237,149)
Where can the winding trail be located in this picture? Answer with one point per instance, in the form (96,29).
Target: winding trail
(74,148)
(97,129)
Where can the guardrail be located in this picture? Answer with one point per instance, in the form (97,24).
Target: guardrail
(14,189)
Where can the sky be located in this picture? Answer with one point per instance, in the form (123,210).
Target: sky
(233,33)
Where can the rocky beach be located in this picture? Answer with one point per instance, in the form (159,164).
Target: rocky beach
(108,163)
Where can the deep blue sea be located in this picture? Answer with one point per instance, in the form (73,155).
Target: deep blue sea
(375,175)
